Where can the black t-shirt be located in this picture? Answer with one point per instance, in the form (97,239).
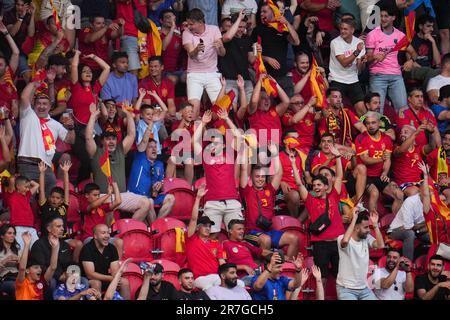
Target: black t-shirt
(102,261)
(166,292)
(275,45)
(422,282)
(199,295)
(424,50)
(235,61)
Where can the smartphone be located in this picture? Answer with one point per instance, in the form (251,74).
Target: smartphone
(201,41)
(281,253)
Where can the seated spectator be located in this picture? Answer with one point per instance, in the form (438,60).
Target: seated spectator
(153,287)
(228,288)
(146,179)
(100,262)
(351,282)
(433,285)
(372,103)
(395,279)
(301,76)
(187,292)
(424,44)
(270,285)
(263,116)
(9,260)
(441,109)
(139,206)
(73,289)
(31,283)
(440,80)
(21,214)
(203,254)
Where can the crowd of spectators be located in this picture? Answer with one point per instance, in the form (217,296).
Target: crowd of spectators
(302,110)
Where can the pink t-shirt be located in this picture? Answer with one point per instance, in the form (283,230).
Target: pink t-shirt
(205,61)
(381,42)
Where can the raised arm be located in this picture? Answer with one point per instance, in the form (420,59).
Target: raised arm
(5,149)
(26,237)
(339,169)
(109,294)
(27,94)
(131,132)
(117,198)
(275,263)
(379,242)
(54,243)
(284,104)
(301,84)
(298,181)
(161,103)
(198,133)
(301,114)
(65,167)
(14,60)
(276,179)
(42,169)
(425,195)
(403,148)
(105,68)
(229,35)
(91,146)
(74,67)
(348,233)
(43,57)
(254,100)
(193,221)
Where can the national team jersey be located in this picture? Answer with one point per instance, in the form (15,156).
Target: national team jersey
(288,171)
(266,121)
(305,128)
(409,118)
(375,148)
(320,158)
(405,167)
(266,199)
(203,256)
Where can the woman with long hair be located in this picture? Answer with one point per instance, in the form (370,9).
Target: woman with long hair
(9,259)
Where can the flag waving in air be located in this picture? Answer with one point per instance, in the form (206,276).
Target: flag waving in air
(404,42)
(436,222)
(105,165)
(55,16)
(318,84)
(280,27)
(224,102)
(267,83)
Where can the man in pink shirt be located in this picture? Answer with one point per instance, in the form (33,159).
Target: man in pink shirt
(385,71)
(203,43)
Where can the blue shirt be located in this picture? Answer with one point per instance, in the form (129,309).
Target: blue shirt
(140,130)
(144,174)
(62,291)
(154,15)
(266,293)
(442,124)
(120,89)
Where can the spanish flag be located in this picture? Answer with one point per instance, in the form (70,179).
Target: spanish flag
(55,16)
(105,165)
(221,125)
(280,27)
(441,215)
(293,144)
(224,102)
(404,42)
(149,44)
(318,85)
(8,77)
(268,84)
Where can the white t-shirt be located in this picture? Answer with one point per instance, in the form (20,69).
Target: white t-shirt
(31,141)
(390,293)
(438,82)
(410,213)
(221,293)
(235,6)
(337,72)
(354,263)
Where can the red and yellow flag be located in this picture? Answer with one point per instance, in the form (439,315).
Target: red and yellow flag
(149,44)
(404,42)
(105,165)
(55,16)
(280,27)
(318,85)
(224,102)
(268,84)
(435,223)
(8,77)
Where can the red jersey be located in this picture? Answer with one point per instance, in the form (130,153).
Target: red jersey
(165,90)
(432,161)
(325,17)
(174,53)
(306,128)
(339,126)
(220,180)
(266,199)
(20,210)
(92,218)
(81,99)
(241,253)
(100,47)
(320,158)
(306,91)
(125,11)
(266,122)
(203,256)
(409,118)
(8,92)
(316,207)
(288,171)
(405,167)
(365,143)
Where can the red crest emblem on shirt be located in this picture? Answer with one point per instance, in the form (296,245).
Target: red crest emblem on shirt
(267,193)
(273,113)
(214,251)
(308,122)
(164,92)
(383,146)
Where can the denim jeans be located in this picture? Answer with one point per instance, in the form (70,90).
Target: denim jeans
(391,84)
(130,46)
(354,294)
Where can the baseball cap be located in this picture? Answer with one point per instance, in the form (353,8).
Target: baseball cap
(73,269)
(444,92)
(205,220)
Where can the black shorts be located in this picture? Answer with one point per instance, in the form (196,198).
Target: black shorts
(441,8)
(376,181)
(353,91)
(324,254)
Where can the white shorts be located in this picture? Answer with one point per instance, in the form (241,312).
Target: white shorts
(198,81)
(225,210)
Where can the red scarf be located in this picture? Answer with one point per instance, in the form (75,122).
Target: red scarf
(47,137)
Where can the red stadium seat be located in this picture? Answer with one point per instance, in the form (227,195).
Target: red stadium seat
(292,225)
(199,182)
(170,271)
(184,202)
(60,183)
(421,264)
(137,240)
(73,213)
(134,276)
(309,289)
(175,183)
(165,239)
